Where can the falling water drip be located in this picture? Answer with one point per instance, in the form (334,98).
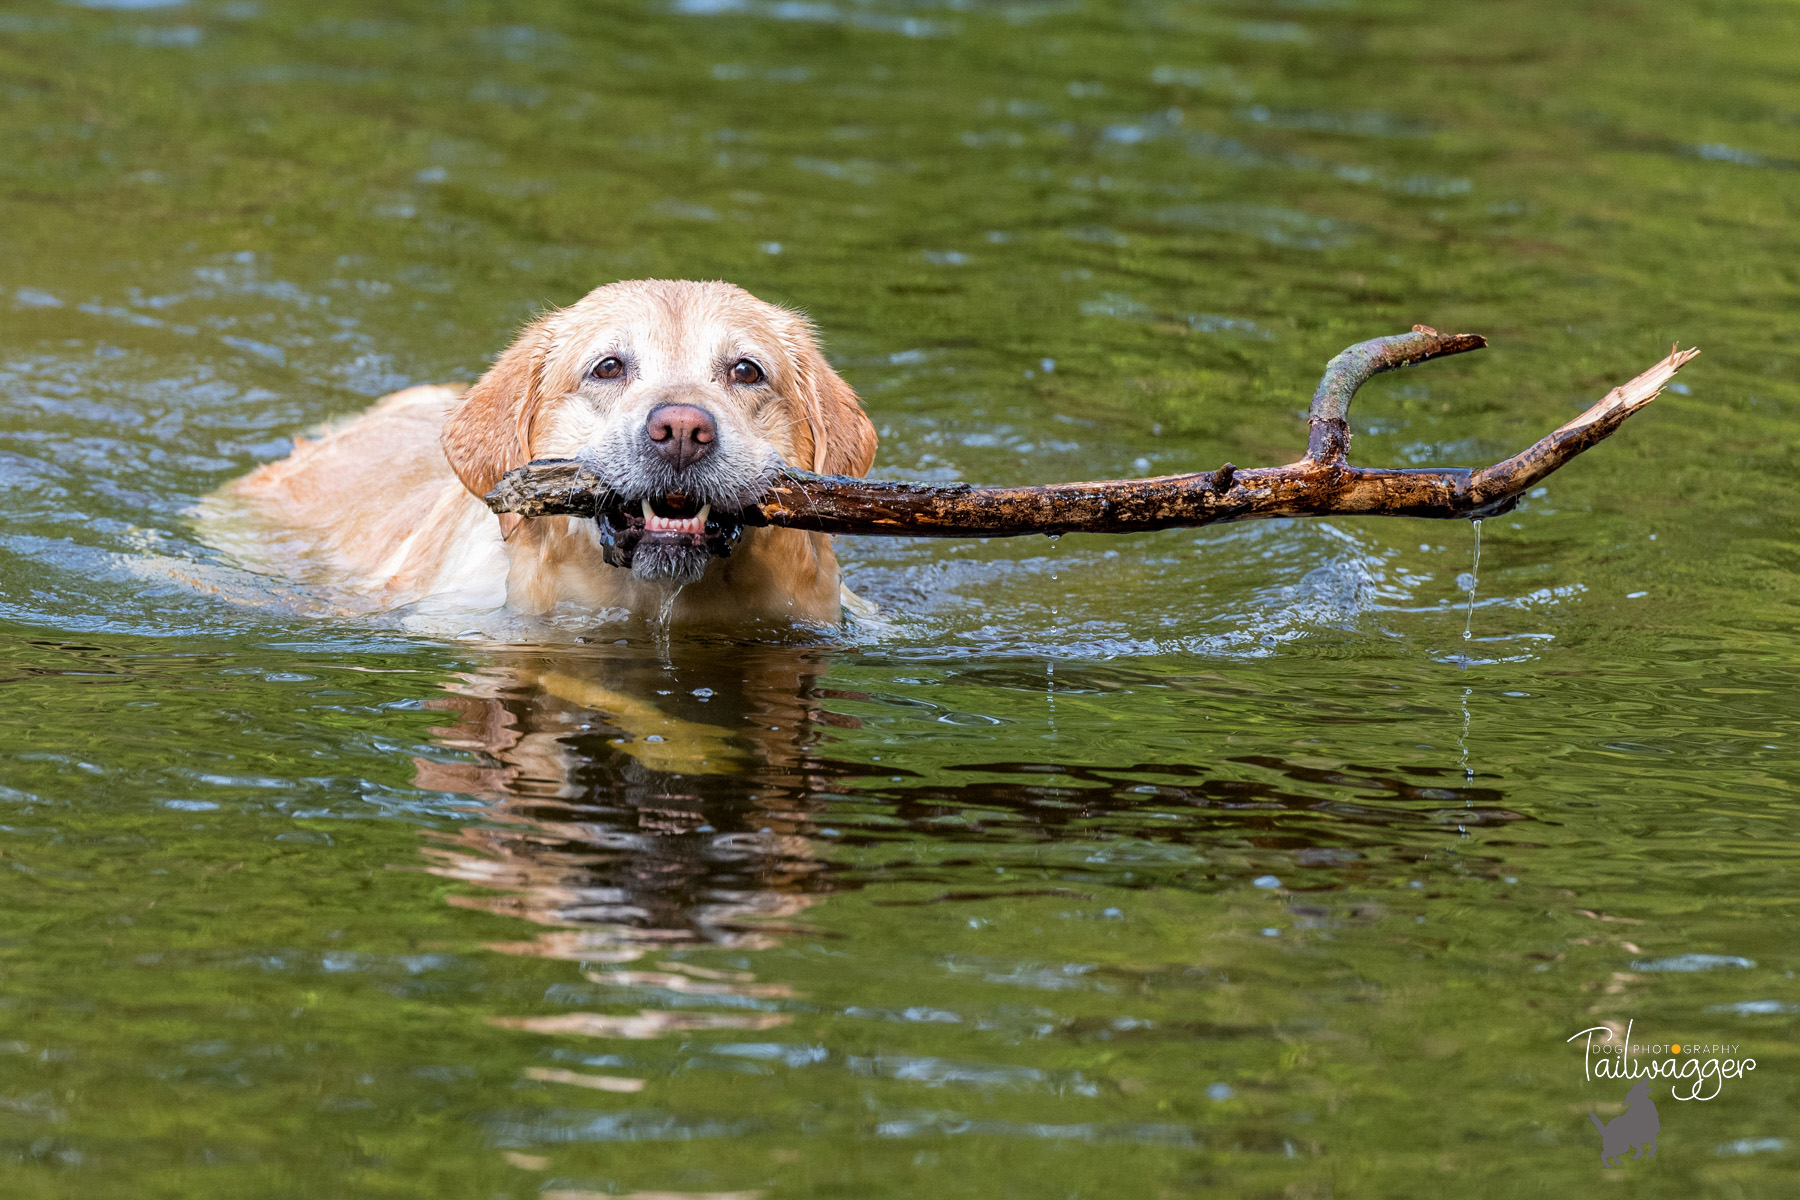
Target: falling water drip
(1462,744)
(663,622)
(665,607)
(1473,578)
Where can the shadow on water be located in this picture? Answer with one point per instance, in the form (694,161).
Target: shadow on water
(632,802)
(677,819)
(629,806)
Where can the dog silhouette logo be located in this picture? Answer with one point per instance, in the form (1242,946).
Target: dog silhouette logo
(1636,1126)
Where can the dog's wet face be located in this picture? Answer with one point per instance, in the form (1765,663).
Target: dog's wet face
(684,398)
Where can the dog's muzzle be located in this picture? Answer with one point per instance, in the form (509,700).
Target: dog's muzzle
(668,539)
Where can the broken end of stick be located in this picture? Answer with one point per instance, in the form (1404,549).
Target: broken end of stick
(1452,343)
(1505,481)
(1633,394)
(544,487)
(506,496)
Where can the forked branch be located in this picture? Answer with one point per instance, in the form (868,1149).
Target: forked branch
(1323,483)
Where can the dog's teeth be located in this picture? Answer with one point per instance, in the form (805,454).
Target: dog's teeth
(656,524)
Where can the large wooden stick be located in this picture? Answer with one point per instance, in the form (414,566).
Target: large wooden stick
(1321,484)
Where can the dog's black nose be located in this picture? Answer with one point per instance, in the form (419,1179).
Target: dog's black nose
(682,433)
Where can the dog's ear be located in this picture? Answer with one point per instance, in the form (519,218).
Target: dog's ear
(488,433)
(843,437)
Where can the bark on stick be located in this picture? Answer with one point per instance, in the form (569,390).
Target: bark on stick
(1321,484)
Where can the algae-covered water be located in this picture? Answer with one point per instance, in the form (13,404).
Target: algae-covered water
(1215,862)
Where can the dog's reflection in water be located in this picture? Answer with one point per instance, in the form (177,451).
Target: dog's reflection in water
(634,801)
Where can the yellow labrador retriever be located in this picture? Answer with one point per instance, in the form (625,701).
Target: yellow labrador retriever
(683,396)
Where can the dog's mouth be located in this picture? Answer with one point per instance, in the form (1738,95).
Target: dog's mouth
(665,536)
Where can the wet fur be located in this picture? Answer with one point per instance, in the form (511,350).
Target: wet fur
(387,506)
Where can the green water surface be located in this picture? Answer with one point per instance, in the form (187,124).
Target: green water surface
(1216,862)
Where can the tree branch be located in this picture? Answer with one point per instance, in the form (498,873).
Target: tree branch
(1328,422)
(1323,483)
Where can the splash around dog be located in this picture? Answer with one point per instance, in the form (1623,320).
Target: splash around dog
(1610,1057)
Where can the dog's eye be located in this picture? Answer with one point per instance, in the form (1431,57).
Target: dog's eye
(610,367)
(746,372)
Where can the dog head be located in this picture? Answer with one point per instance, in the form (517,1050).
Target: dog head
(684,397)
